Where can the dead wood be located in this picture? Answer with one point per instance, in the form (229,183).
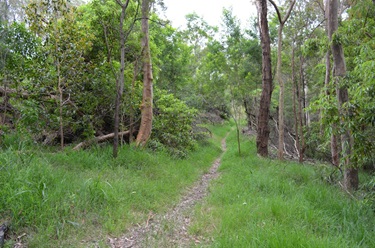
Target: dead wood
(98,139)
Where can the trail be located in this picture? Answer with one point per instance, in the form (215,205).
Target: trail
(171,228)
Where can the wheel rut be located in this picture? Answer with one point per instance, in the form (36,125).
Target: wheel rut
(171,228)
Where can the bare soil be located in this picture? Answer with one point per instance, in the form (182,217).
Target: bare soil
(171,228)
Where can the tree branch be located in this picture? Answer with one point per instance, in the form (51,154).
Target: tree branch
(123,5)
(289,11)
(282,21)
(277,10)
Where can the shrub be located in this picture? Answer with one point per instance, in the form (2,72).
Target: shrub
(173,123)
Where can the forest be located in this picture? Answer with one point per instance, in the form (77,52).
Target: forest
(109,114)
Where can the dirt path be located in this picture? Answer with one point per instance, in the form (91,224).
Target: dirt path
(171,229)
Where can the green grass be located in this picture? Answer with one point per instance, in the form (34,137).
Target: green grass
(76,199)
(262,203)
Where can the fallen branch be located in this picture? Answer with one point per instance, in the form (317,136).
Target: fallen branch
(98,139)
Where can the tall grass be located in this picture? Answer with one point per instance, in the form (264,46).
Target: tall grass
(74,199)
(262,203)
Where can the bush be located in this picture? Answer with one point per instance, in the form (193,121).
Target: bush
(173,123)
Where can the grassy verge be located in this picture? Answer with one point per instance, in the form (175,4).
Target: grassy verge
(75,199)
(263,203)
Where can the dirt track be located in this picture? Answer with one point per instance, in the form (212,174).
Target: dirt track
(171,229)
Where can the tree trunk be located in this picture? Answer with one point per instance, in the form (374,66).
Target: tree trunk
(5,100)
(294,87)
(132,93)
(146,107)
(119,81)
(334,147)
(339,72)
(301,118)
(246,103)
(280,153)
(59,87)
(263,130)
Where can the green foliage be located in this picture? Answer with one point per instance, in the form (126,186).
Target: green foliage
(19,50)
(173,124)
(315,45)
(174,62)
(360,60)
(318,143)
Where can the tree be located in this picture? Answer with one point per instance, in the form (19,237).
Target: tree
(200,38)
(146,107)
(263,130)
(327,81)
(282,22)
(120,79)
(339,72)
(64,47)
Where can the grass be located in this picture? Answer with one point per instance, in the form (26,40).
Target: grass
(262,203)
(76,199)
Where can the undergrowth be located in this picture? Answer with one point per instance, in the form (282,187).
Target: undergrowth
(258,202)
(77,199)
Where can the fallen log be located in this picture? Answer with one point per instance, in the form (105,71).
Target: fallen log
(98,139)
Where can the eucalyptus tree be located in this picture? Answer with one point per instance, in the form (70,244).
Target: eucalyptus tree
(339,72)
(120,79)
(282,21)
(304,42)
(146,107)
(357,33)
(233,39)
(242,66)
(353,78)
(198,35)
(263,129)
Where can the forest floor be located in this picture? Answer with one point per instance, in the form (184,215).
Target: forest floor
(170,229)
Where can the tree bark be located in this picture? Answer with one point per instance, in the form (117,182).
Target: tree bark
(263,130)
(146,107)
(132,93)
(339,72)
